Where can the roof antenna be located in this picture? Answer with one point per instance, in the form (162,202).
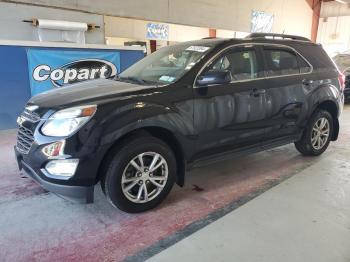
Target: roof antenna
(284,30)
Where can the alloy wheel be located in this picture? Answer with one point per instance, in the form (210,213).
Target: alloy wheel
(144,177)
(320,133)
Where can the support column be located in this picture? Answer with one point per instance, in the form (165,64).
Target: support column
(212,32)
(316,9)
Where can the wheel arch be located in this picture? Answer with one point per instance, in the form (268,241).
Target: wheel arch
(331,107)
(161,133)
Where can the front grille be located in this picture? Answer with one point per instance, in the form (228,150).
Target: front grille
(30,116)
(25,139)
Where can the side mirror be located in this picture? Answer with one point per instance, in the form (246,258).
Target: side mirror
(214,77)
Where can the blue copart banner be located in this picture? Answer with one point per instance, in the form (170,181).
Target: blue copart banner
(56,68)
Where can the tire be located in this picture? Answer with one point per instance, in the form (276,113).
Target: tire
(120,169)
(305,145)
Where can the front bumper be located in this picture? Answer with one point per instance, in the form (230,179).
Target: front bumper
(65,190)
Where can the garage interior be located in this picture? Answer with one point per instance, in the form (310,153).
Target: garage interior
(274,205)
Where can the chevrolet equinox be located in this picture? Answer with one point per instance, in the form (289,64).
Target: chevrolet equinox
(184,106)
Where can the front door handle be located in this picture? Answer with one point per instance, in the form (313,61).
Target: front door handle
(257,92)
(307,82)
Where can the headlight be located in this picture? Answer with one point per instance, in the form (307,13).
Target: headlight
(65,122)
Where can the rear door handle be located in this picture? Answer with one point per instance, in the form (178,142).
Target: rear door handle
(307,82)
(257,92)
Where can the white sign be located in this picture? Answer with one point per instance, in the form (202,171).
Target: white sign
(261,22)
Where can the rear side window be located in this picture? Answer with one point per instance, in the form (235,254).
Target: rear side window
(280,62)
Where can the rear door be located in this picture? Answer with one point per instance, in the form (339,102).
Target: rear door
(287,84)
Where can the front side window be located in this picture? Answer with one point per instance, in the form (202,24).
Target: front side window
(166,65)
(280,62)
(242,64)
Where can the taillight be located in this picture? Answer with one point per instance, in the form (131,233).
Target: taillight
(342,81)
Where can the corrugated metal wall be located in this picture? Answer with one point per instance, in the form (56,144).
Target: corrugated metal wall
(331,9)
(292,17)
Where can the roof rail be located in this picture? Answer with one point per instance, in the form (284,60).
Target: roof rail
(278,36)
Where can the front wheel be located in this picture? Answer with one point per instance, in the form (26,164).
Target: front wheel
(317,135)
(140,174)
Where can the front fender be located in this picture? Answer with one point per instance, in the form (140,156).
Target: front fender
(177,119)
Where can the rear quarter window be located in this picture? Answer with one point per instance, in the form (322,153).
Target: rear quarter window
(316,55)
(303,65)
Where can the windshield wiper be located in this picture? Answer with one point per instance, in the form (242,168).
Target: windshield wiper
(135,80)
(132,79)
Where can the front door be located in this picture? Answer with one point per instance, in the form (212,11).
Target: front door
(231,116)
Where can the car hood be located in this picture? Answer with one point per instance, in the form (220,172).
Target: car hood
(88,91)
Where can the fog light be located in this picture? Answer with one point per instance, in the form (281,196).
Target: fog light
(54,149)
(64,168)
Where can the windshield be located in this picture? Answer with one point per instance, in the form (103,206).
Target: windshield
(166,65)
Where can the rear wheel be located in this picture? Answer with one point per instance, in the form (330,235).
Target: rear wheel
(317,135)
(140,174)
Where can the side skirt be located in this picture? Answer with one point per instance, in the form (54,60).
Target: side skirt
(242,152)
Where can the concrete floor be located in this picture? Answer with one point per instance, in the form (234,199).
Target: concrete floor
(305,218)
(293,219)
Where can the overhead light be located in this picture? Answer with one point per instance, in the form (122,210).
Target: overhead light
(341,1)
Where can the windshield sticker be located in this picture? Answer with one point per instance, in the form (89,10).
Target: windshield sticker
(167,78)
(197,48)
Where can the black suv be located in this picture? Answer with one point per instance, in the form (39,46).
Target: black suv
(184,106)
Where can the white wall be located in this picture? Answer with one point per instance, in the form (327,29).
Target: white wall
(125,27)
(334,34)
(180,33)
(334,27)
(222,33)
(236,14)
(137,29)
(293,17)
(12,27)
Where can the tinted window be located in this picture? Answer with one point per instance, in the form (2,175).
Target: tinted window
(166,65)
(303,65)
(317,57)
(280,62)
(241,63)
